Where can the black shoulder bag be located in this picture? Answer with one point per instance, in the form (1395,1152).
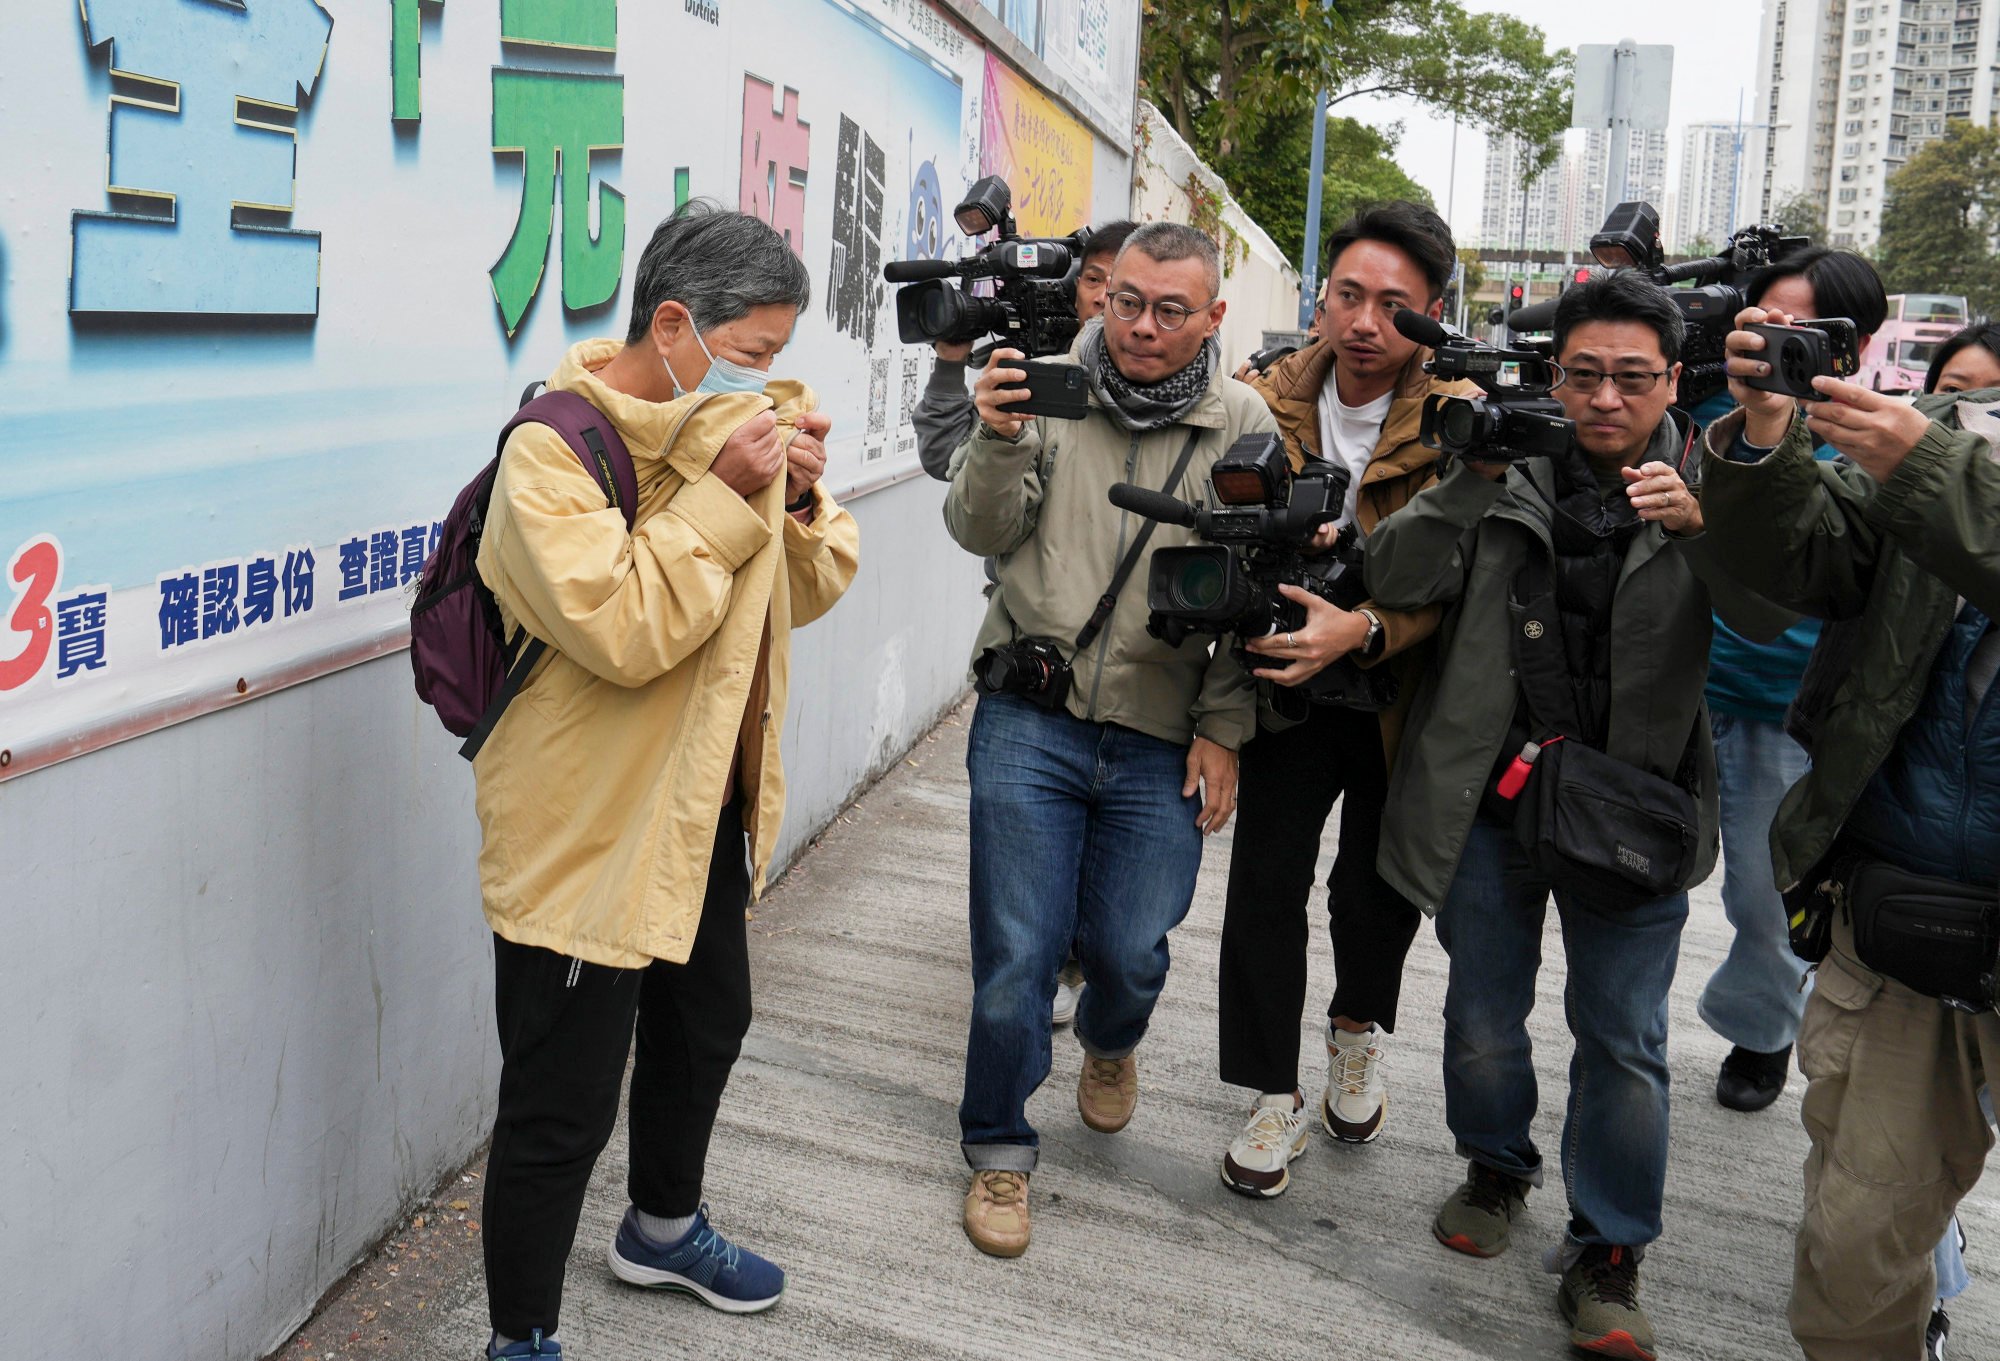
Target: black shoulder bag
(1606,830)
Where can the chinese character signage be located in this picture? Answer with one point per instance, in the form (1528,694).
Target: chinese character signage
(273,274)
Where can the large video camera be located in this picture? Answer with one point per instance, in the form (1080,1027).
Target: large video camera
(1630,239)
(1257,533)
(1513,418)
(1033,307)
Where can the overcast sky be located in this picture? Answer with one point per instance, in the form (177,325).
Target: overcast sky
(1715,55)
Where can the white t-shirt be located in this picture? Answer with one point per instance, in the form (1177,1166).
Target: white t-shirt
(1351,433)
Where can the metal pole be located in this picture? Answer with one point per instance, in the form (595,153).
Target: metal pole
(1624,58)
(1451,188)
(1309,266)
(1736,161)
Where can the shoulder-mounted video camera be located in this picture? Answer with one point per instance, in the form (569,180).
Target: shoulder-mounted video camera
(1256,533)
(1033,307)
(1630,239)
(1513,418)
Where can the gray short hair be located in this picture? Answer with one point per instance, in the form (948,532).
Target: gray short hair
(719,265)
(1170,241)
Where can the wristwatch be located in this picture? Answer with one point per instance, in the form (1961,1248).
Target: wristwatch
(1372,644)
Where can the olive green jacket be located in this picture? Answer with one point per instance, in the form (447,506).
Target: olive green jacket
(1828,540)
(1037,505)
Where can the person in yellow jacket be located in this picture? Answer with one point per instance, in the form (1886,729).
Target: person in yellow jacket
(617,793)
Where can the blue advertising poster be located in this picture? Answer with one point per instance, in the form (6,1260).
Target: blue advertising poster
(274,272)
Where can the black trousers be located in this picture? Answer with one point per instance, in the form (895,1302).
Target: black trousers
(565,1030)
(1288,783)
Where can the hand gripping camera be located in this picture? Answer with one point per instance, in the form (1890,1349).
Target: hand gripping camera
(1033,307)
(1256,534)
(1509,420)
(1630,239)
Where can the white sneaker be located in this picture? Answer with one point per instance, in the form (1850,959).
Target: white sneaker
(1069,991)
(1357,1091)
(1258,1161)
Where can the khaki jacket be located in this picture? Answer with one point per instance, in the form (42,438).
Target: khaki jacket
(1038,506)
(1401,467)
(599,789)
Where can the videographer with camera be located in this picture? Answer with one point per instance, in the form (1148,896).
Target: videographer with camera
(1888,848)
(1355,397)
(944,414)
(1753,999)
(1559,744)
(1099,755)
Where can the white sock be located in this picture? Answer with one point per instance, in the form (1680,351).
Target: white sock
(664,1232)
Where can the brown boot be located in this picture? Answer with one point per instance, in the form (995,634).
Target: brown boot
(1108,1092)
(996,1212)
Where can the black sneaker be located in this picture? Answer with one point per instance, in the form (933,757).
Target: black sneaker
(1750,1081)
(1934,1336)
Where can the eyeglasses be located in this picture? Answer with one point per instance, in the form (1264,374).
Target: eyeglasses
(1629,382)
(1170,315)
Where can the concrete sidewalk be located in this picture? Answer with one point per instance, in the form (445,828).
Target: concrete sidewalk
(837,1156)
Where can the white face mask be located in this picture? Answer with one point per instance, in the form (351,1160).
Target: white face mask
(723,375)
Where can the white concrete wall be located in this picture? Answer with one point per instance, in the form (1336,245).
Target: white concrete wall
(1260,286)
(252,1017)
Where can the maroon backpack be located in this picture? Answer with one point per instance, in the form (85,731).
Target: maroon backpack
(466,668)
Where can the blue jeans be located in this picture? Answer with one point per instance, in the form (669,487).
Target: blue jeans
(1621,967)
(1079,833)
(1753,999)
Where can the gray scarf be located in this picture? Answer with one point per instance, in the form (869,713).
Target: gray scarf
(1146,406)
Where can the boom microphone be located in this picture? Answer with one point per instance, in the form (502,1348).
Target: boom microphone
(1414,325)
(1540,316)
(910,271)
(1154,505)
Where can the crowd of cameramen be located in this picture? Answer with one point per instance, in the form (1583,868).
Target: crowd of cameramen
(1655,595)
(1586,671)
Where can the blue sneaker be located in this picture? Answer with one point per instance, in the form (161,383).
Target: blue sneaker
(703,1263)
(536,1345)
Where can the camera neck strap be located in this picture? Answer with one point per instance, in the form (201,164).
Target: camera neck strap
(1087,635)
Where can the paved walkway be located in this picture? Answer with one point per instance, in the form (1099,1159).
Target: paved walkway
(837,1156)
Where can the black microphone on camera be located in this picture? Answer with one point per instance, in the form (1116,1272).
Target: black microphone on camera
(910,271)
(1154,505)
(1414,325)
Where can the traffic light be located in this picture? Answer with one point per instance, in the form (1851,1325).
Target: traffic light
(1517,296)
(1581,275)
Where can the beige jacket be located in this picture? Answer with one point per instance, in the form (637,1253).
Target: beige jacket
(599,789)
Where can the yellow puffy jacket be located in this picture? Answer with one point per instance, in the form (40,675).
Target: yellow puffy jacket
(598,791)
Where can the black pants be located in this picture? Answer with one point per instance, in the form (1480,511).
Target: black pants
(565,1030)
(1288,783)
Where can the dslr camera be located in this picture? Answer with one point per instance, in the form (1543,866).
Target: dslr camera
(1033,668)
(1033,307)
(1630,239)
(1513,418)
(1255,536)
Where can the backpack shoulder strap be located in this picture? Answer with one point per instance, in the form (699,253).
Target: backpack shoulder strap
(594,440)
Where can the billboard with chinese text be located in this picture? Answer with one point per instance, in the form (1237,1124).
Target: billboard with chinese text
(273,273)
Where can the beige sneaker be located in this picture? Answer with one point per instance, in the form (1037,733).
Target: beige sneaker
(996,1212)
(1107,1092)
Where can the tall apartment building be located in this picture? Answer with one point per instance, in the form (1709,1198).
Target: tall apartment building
(1645,175)
(1854,89)
(1703,207)
(1549,223)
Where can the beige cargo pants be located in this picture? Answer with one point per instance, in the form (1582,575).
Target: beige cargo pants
(1892,1107)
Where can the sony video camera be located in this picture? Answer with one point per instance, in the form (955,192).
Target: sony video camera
(1033,307)
(1630,239)
(1513,418)
(1257,533)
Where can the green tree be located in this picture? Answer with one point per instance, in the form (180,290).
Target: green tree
(1473,269)
(1800,215)
(1939,221)
(1217,70)
(1265,172)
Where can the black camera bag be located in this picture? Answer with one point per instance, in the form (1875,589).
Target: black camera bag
(1614,834)
(1936,936)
